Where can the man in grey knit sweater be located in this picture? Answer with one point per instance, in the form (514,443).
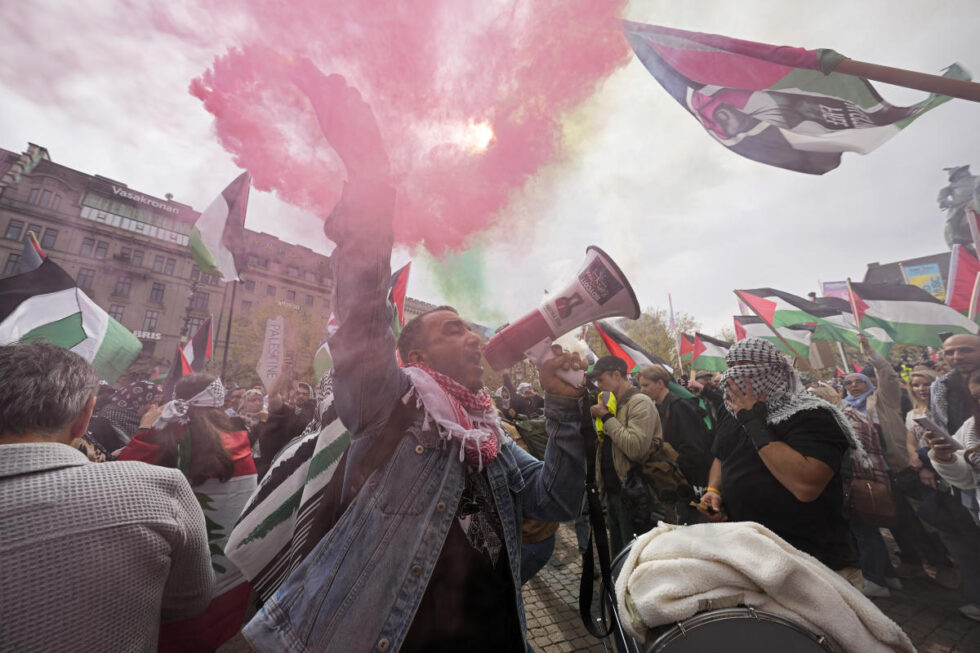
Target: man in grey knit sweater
(92,556)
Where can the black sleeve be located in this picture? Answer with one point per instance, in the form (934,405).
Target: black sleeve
(816,434)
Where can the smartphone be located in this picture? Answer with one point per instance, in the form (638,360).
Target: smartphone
(929,424)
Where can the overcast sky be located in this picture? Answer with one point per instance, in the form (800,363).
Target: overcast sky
(106,94)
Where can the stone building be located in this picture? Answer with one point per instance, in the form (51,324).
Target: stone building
(129,252)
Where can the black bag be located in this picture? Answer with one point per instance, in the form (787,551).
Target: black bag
(643,484)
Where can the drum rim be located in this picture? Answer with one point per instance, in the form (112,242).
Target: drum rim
(679,628)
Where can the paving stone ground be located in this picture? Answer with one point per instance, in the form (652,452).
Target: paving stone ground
(927,612)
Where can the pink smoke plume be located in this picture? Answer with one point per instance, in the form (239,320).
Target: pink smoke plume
(469,97)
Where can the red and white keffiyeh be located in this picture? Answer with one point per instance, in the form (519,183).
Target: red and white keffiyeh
(459,413)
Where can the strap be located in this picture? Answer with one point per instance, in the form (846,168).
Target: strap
(597,531)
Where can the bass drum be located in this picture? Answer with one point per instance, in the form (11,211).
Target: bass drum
(728,630)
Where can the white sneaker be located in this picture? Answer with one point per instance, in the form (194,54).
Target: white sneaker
(894,583)
(875,591)
(948,577)
(970,611)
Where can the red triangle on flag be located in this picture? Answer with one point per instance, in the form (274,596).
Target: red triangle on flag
(739,330)
(687,344)
(614,348)
(858,305)
(840,372)
(699,347)
(766,309)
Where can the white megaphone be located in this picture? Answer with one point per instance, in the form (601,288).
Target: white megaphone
(599,290)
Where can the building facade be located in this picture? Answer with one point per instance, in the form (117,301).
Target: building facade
(129,252)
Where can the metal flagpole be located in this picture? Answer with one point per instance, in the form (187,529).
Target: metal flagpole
(231,313)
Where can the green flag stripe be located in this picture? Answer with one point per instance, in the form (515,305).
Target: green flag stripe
(117,351)
(328,455)
(66,332)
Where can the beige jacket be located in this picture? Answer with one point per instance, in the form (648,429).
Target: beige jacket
(885,405)
(635,432)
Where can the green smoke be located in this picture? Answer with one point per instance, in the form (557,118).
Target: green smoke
(462,279)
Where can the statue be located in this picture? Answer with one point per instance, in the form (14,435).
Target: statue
(963,188)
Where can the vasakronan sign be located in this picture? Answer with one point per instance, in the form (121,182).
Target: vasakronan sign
(143,199)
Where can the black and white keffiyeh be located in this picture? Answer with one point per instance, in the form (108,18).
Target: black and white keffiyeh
(773,376)
(212,396)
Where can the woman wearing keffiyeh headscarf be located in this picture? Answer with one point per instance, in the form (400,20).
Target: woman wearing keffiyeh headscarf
(778,453)
(193,434)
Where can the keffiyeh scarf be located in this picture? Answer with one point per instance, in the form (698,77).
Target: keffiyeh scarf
(212,396)
(458,412)
(772,375)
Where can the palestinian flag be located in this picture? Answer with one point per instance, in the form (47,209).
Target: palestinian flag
(798,336)
(963,270)
(709,353)
(217,238)
(32,256)
(399,286)
(322,360)
(831,316)
(909,314)
(180,368)
(198,350)
(778,105)
(45,305)
(622,346)
(686,346)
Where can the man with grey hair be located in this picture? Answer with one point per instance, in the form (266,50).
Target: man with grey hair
(94,555)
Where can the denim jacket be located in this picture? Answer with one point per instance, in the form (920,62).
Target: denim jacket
(359,589)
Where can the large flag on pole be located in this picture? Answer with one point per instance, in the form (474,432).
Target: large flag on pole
(179,368)
(622,346)
(45,305)
(909,314)
(199,349)
(217,238)
(686,346)
(399,287)
(831,316)
(798,336)
(963,270)
(709,353)
(774,104)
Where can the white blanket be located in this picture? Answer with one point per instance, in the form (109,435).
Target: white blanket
(672,569)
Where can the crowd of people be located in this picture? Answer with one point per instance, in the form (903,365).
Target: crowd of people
(116,505)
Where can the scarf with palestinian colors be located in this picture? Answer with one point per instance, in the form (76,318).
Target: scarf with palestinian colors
(459,413)
(773,376)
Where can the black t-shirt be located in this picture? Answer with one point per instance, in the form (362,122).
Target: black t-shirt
(685,430)
(469,604)
(751,493)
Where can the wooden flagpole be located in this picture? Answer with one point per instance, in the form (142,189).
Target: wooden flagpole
(796,357)
(974,298)
(952,87)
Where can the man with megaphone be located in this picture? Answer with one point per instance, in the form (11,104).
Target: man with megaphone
(426,555)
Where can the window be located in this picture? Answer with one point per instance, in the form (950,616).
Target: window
(199,300)
(150,321)
(292,271)
(169,267)
(14,229)
(50,236)
(116,312)
(291,295)
(32,198)
(149,346)
(137,259)
(309,300)
(125,253)
(246,305)
(270,291)
(123,285)
(156,292)
(101,249)
(46,199)
(36,228)
(253,261)
(13,260)
(88,244)
(55,202)
(195,273)
(158,264)
(310,276)
(193,324)
(85,278)
(250,285)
